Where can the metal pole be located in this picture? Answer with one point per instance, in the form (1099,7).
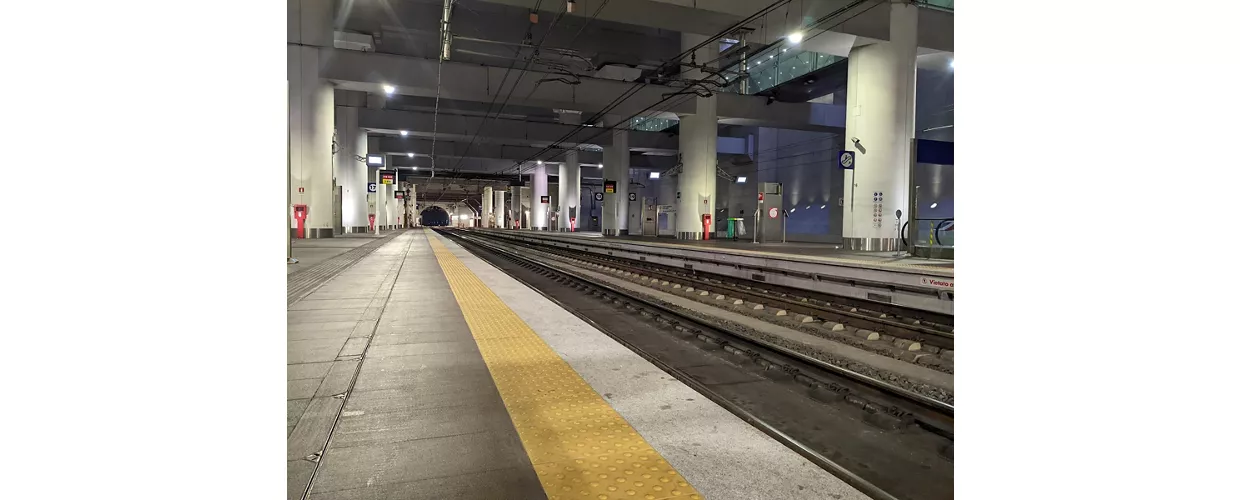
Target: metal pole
(897,254)
(757,220)
(913,192)
(288,186)
(785,229)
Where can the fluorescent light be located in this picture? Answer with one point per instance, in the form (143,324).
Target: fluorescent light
(793,210)
(654,175)
(410,155)
(822,207)
(796,37)
(415,168)
(388,89)
(375,160)
(404,133)
(741,180)
(932,205)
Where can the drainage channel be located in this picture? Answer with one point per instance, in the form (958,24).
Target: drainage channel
(304,281)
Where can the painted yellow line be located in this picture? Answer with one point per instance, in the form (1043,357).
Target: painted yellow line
(580,447)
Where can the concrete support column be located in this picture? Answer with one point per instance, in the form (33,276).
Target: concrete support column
(540,190)
(499,209)
(696,182)
(381,202)
(311,117)
(615,220)
(699,136)
(394,205)
(881,93)
(526,206)
(488,199)
(415,217)
(351,176)
(570,180)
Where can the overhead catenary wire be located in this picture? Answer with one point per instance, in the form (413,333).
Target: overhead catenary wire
(683,94)
(817,23)
(529,31)
(659,72)
(520,76)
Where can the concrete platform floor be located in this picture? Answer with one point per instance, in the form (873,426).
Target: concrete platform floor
(387,397)
(310,252)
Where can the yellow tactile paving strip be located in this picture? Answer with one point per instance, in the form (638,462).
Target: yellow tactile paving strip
(580,447)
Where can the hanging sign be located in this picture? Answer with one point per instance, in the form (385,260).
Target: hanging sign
(760,196)
(609,187)
(546,199)
(400,195)
(387,177)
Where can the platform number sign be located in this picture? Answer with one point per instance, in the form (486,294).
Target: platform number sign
(848,160)
(598,196)
(632,196)
(372,188)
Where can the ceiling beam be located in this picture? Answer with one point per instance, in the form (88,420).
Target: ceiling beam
(369,72)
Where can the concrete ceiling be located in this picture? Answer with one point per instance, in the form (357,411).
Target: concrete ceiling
(708,17)
(627,34)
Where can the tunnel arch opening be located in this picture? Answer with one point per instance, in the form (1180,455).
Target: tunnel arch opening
(435,216)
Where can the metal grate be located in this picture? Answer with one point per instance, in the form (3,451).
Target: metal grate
(302,282)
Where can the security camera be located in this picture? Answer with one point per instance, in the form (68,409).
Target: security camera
(855,140)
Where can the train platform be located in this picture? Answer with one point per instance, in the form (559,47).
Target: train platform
(420,371)
(826,251)
(926,284)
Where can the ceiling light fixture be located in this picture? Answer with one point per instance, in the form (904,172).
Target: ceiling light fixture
(388,89)
(410,155)
(404,133)
(741,180)
(796,37)
(932,205)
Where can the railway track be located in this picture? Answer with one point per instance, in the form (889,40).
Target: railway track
(893,334)
(920,326)
(888,442)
